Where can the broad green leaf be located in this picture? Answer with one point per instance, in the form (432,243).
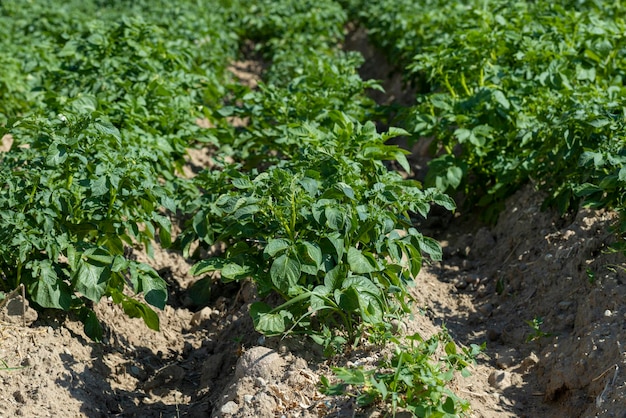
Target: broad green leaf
(404,163)
(85,104)
(335,277)
(98,256)
(165,227)
(91,279)
(445,201)
(275,246)
(347,299)
(48,290)
(346,190)
(334,218)
(431,247)
(337,243)
(200,291)
(350,376)
(454,176)
(285,273)
(359,263)
(234,271)
(57,155)
(152,285)
(310,253)
(268,322)
(107,128)
(92,326)
(599,123)
(501,99)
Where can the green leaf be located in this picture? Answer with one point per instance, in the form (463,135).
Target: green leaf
(268,322)
(48,290)
(136,309)
(431,247)
(200,291)
(310,253)
(165,227)
(234,271)
(85,104)
(337,244)
(105,127)
(334,218)
(285,273)
(445,201)
(275,246)
(404,163)
(91,279)
(599,123)
(334,278)
(57,155)
(205,266)
(92,326)
(454,176)
(501,99)
(359,263)
(154,288)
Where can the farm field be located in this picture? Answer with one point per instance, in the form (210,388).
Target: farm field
(312,209)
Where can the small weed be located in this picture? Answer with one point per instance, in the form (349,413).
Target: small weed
(591,276)
(408,379)
(536,334)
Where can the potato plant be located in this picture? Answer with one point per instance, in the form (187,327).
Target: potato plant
(330,231)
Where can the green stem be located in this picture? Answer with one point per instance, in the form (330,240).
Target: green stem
(464,84)
(449,87)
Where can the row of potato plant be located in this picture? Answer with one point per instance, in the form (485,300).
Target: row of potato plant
(513,92)
(314,217)
(101,103)
(311,212)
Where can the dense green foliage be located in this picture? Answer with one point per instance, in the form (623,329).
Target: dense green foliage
(513,92)
(310,211)
(101,103)
(102,100)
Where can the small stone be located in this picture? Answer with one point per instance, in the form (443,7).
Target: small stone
(472,279)
(565,305)
(202,315)
(260,382)
(500,380)
(608,313)
(17,395)
(248,398)
(229,407)
(482,290)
